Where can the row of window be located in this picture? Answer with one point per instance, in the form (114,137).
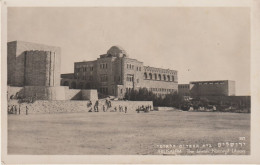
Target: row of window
(130,66)
(130,78)
(211,83)
(103,66)
(103,90)
(84,77)
(157,70)
(158,77)
(161,90)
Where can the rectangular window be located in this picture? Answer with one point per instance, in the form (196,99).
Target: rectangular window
(130,77)
(103,78)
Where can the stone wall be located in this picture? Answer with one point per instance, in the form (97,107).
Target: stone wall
(70,106)
(45,93)
(52,93)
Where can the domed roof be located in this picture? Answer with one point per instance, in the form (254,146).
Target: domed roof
(117,51)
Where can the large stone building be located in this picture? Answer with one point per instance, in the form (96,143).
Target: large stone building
(31,64)
(208,88)
(33,70)
(114,73)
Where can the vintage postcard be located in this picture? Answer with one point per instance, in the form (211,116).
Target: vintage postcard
(121,82)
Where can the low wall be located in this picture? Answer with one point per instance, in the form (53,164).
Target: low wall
(52,93)
(69,106)
(164,108)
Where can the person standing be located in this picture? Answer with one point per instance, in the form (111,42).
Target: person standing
(19,109)
(15,109)
(96,106)
(104,108)
(12,109)
(26,109)
(125,109)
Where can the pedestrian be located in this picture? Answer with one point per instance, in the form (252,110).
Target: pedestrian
(12,109)
(26,110)
(104,108)
(8,108)
(15,109)
(115,109)
(96,106)
(19,109)
(125,109)
(90,105)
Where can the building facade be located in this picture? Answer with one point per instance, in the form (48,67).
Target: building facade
(114,73)
(33,71)
(31,64)
(213,88)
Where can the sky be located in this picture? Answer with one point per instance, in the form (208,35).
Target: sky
(207,43)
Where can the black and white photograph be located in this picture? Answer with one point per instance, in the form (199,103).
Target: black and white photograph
(131,81)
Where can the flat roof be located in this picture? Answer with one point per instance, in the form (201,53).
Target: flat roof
(211,81)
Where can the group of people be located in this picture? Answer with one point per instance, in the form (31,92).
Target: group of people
(106,107)
(121,109)
(144,108)
(13,109)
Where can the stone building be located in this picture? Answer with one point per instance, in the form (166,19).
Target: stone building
(31,64)
(208,88)
(115,73)
(213,88)
(185,89)
(33,70)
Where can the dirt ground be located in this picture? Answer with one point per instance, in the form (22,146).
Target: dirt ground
(163,132)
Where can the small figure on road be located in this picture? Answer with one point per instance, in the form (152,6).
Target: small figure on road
(125,109)
(26,110)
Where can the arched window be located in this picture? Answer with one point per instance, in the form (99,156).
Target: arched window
(172,78)
(145,75)
(168,77)
(164,77)
(160,77)
(155,76)
(150,76)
